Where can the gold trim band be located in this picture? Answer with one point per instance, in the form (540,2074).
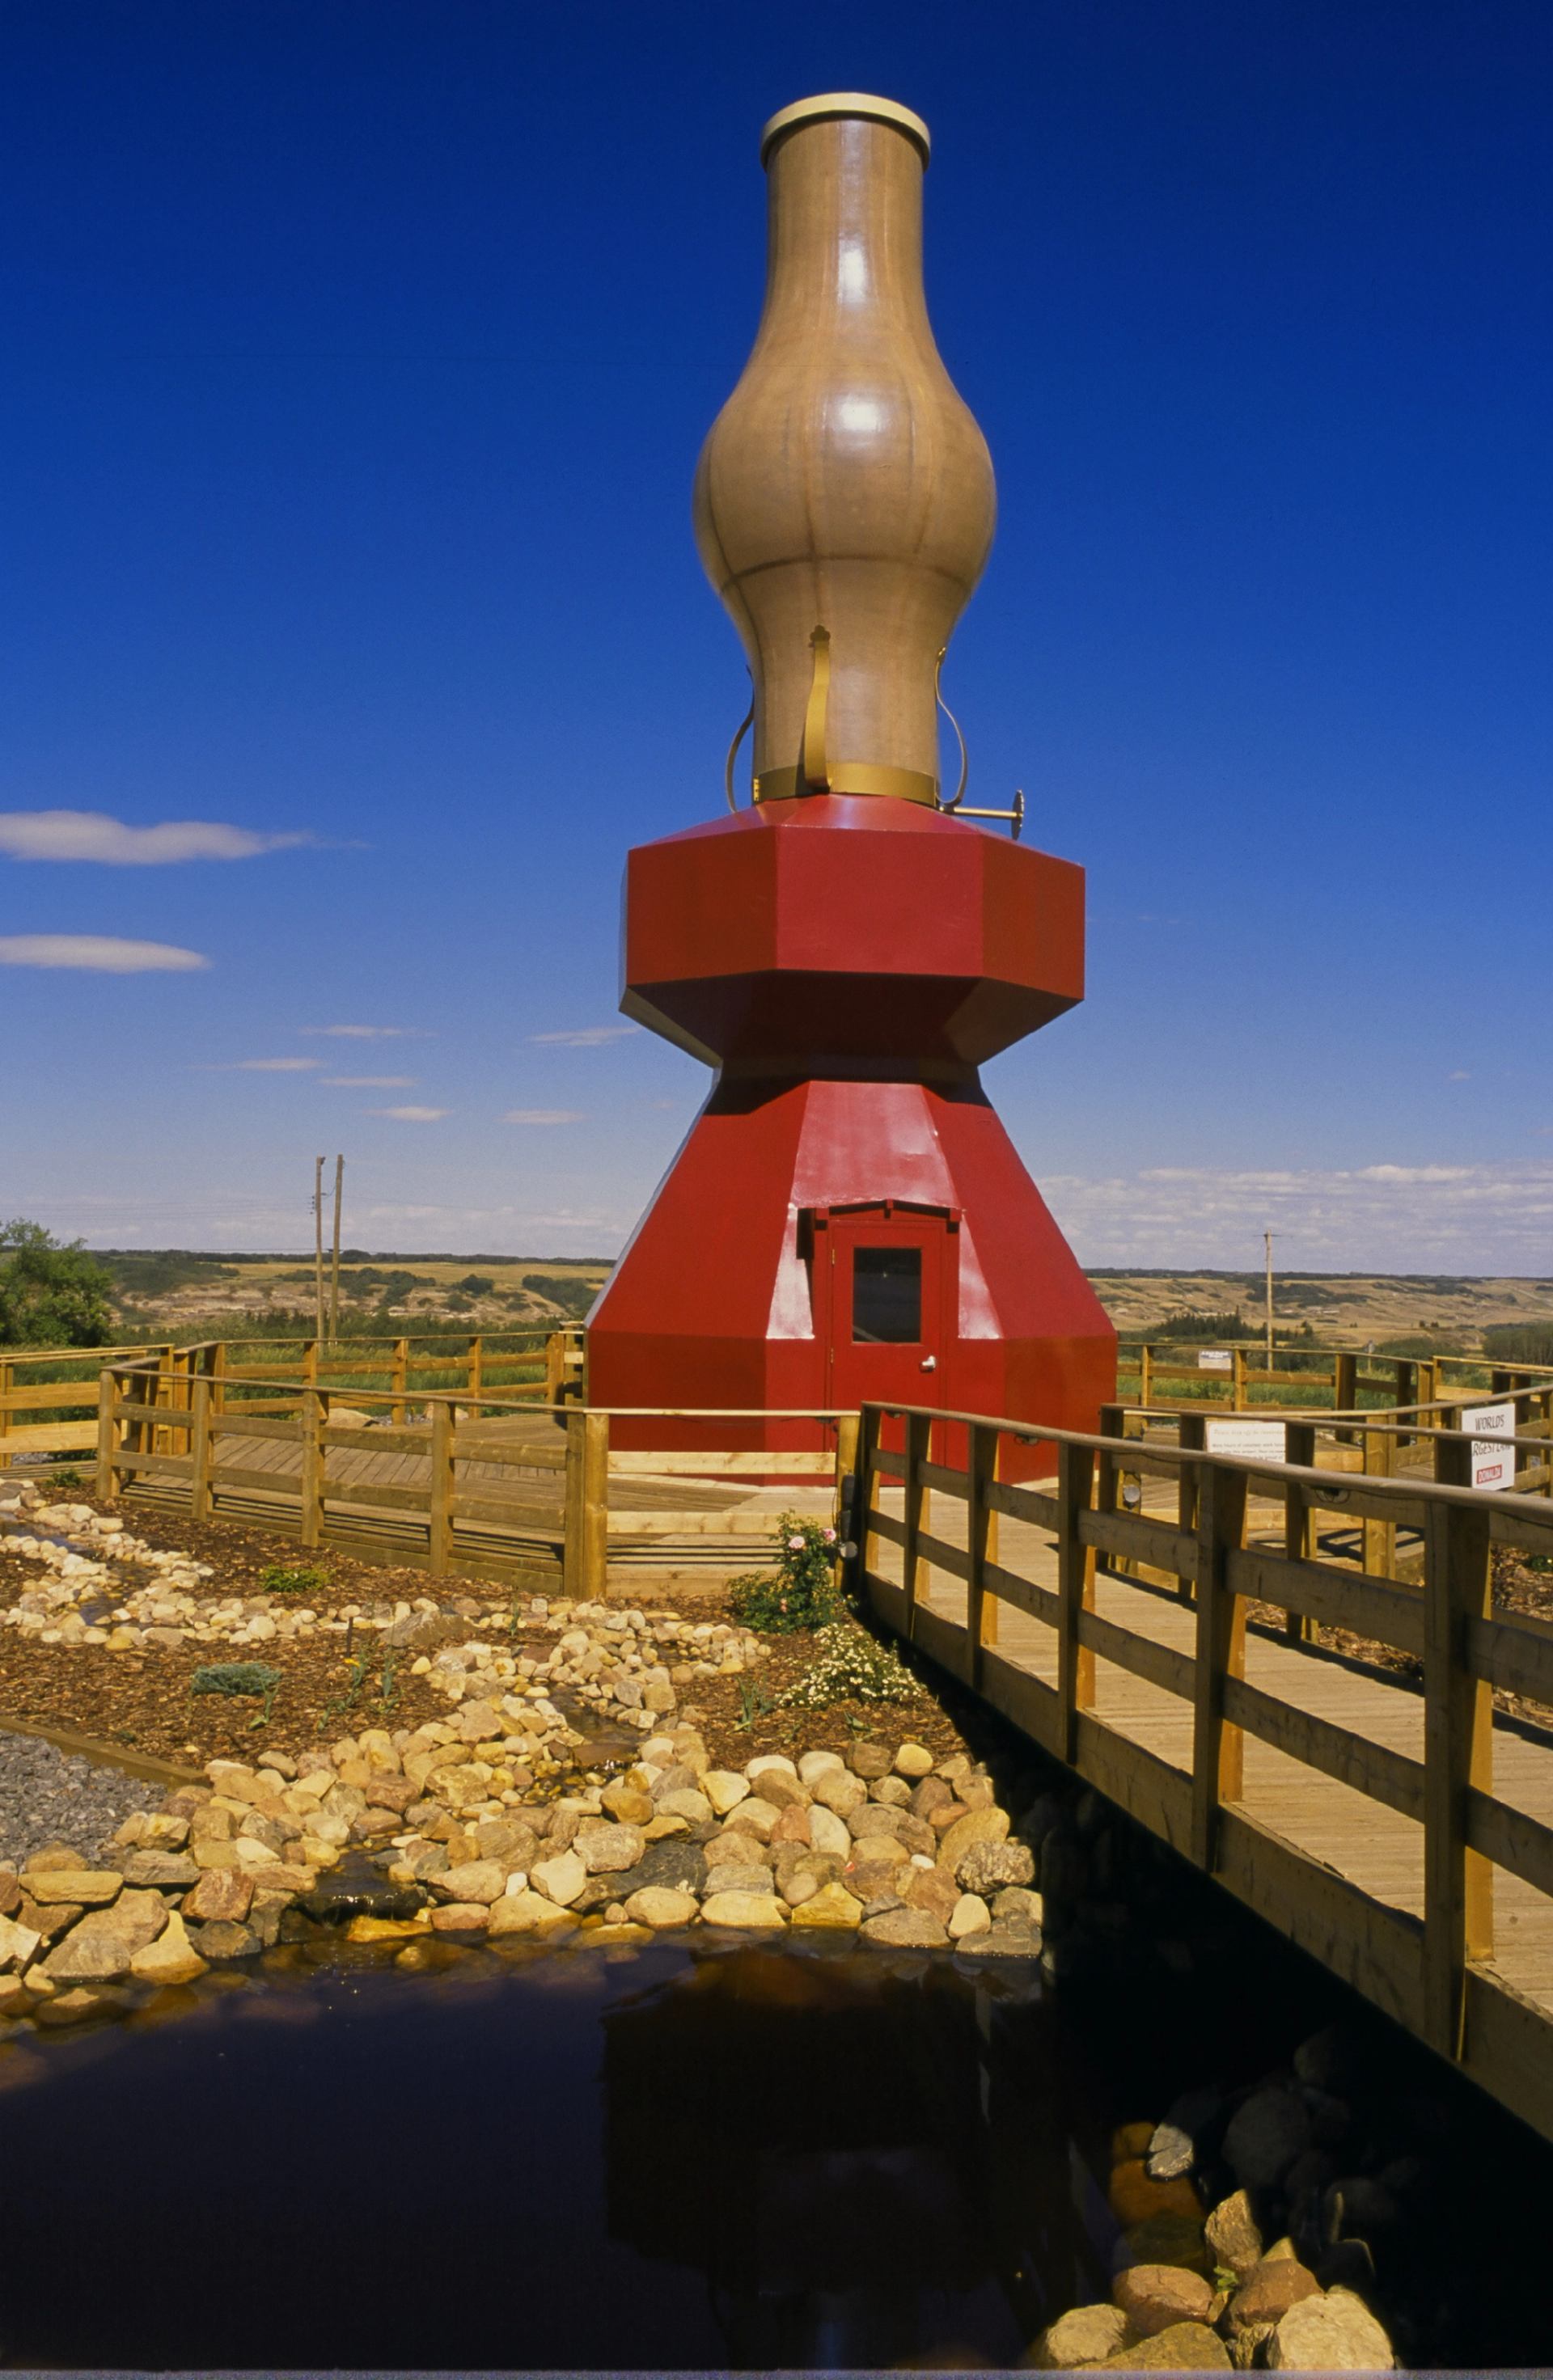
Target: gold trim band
(845,102)
(850,777)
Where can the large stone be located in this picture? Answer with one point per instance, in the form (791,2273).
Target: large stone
(1185,2347)
(100,1948)
(608,1849)
(813,1766)
(224,1939)
(988,1826)
(755,1817)
(840,1790)
(358,1889)
(1006,1938)
(831,1905)
(1080,2339)
(987,1867)
(19,1945)
(871,1820)
(724,1788)
(658,1907)
(1278,2283)
(89,1887)
(223,1895)
(1265,2134)
(170,1870)
(735,1875)
(482,1880)
(668,1866)
(171,1959)
(685,1803)
(560,1879)
(870,1760)
(827,1832)
(525,1912)
(932,1889)
(1335,2332)
(10,1892)
(1233,2235)
(969,1916)
(461,1917)
(627,1803)
(79,2004)
(904,1929)
(1154,2296)
(752,1910)
(913,1760)
(1133,2197)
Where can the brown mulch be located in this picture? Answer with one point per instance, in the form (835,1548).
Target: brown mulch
(141,1699)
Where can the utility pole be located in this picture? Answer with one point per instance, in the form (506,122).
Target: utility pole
(1267,1242)
(335,1277)
(317,1247)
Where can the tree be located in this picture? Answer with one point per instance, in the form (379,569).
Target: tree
(52,1293)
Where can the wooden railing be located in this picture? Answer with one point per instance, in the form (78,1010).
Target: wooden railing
(1341,1378)
(1434,1974)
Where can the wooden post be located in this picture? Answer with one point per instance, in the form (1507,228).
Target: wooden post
(1076,1592)
(848,1433)
(199,1450)
(1237,1379)
(918,1511)
(555,1362)
(1145,1374)
(868,1482)
(439,1538)
(1345,1389)
(1107,1478)
(1299,1446)
(8,1378)
(1191,1432)
(310,1363)
(981,1615)
(107,1438)
(584,1576)
(335,1266)
(1379,1537)
(1217,1749)
(477,1368)
(399,1381)
(312,1468)
(218,1377)
(1458,1753)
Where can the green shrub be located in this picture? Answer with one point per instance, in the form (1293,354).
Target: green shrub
(301,1578)
(849,1666)
(801,1593)
(239,1679)
(66,1476)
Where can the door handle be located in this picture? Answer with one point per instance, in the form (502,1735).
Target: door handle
(929,1363)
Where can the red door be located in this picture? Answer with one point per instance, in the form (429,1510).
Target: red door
(891,1279)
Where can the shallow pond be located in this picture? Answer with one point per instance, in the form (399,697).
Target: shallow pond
(722,2155)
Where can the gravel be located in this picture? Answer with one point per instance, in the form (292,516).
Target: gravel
(48,1796)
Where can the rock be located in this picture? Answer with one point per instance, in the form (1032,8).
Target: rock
(658,1907)
(224,1939)
(1015,1900)
(1006,1938)
(990,1826)
(904,1929)
(732,1876)
(462,1917)
(813,1766)
(50,1923)
(560,1879)
(840,1790)
(1335,2332)
(913,1760)
(100,1948)
(782,1792)
(171,1959)
(171,1870)
(77,2006)
(1233,2235)
(10,1891)
(89,1887)
(1266,2135)
(19,1945)
(969,1916)
(930,1795)
(1170,2153)
(357,1889)
(753,1910)
(987,1867)
(525,1912)
(1080,2339)
(1168,2240)
(672,1866)
(482,1880)
(832,1905)
(1133,2197)
(755,1817)
(870,1760)
(1185,2347)
(606,1847)
(1268,2293)
(628,1802)
(827,1832)
(1153,2297)
(793,1826)
(53,1859)
(932,1889)
(685,1803)
(872,1819)
(223,1894)
(724,1788)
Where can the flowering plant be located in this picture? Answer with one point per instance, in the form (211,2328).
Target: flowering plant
(801,1591)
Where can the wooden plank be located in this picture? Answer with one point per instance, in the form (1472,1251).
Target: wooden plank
(1220,1654)
(1512,1839)
(917,1509)
(1159,1665)
(1131,1537)
(1339,1598)
(1022,1593)
(981,1523)
(516,1454)
(749,1463)
(227,1424)
(374,1494)
(311,1488)
(1375,1949)
(1021,1503)
(1076,1592)
(176,1466)
(939,1475)
(1372,1768)
(1458,1717)
(1515,1653)
(475,1507)
(414,1440)
(940,1554)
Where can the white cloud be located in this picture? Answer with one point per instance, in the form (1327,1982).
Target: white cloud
(362,1082)
(92,834)
(1461,1075)
(586,1037)
(262,1066)
(99,954)
(1495,1217)
(412,1115)
(542,1115)
(368,1032)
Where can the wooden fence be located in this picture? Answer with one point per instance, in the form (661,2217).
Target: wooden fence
(1343,1379)
(1432,1968)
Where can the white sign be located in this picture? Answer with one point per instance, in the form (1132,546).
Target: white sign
(1493,1464)
(1215,1359)
(1254,1441)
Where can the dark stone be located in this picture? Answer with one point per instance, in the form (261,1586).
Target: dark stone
(677,1865)
(356,1889)
(870,1760)
(224,1939)
(1006,1938)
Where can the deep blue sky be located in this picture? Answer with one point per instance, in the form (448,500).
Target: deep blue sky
(356,355)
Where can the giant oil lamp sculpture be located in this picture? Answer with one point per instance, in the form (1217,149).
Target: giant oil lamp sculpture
(847,1218)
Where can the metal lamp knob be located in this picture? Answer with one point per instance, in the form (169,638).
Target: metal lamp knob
(929,1363)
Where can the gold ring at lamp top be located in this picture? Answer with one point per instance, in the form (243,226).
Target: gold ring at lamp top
(849,777)
(831,104)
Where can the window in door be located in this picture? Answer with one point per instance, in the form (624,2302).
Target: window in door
(887,1296)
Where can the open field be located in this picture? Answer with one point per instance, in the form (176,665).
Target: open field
(164,1288)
